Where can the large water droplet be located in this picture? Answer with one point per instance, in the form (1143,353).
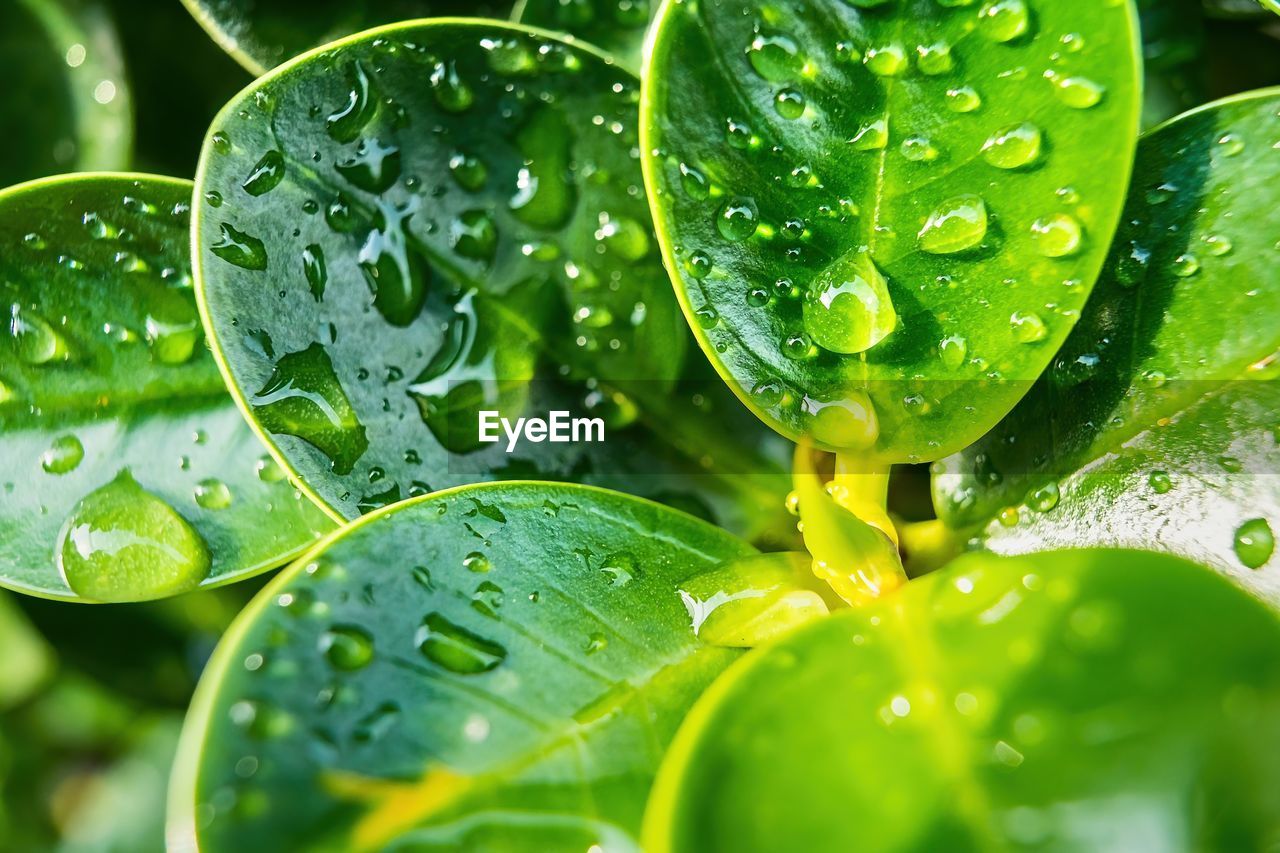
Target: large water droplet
(346,124)
(456,649)
(395,273)
(374,168)
(63,456)
(1080,93)
(316,270)
(122,543)
(850,423)
(847,308)
(238,248)
(775,57)
(38,342)
(957,224)
(1057,236)
(1013,147)
(1255,543)
(545,193)
(266,175)
(1028,327)
(452,93)
(304,398)
(738,219)
(1004,20)
(213,494)
(346,647)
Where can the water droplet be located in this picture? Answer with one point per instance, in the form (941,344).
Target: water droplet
(122,543)
(789,103)
(850,423)
(452,93)
(872,136)
(919,149)
(346,124)
(1218,245)
(213,494)
(963,99)
(470,172)
(797,347)
(268,470)
(595,642)
(304,398)
(477,562)
(374,168)
(1013,147)
(695,184)
(266,175)
(172,328)
(624,237)
(1255,543)
(768,393)
(346,647)
(847,308)
(888,60)
(38,342)
(738,219)
(316,270)
(1160,482)
(1045,498)
(63,456)
(1080,93)
(953,350)
(456,649)
(775,57)
(1185,266)
(1057,236)
(934,59)
(543,197)
(620,569)
(699,265)
(240,249)
(957,224)
(1004,20)
(473,234)
(1028,328)
(1231,144)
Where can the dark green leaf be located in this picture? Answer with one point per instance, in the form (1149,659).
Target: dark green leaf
(885,215)
(1173,48)
(495,667)
(618,26)
(1154,427)
(473,243)
(1079,701)
(261,34)
(65,102)
(128,473)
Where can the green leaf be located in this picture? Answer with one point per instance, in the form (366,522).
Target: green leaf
(261,34)
(494,667)
(618,26)
(883,217)
(1078,701)
(128,473)
(66,105)
(1154,428)
(475,243)
(29,660)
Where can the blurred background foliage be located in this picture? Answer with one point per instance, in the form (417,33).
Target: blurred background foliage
(91,698)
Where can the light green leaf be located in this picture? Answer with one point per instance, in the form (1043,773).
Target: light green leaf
(1078,701)
(494,667)
(1155,426)
(66,106)
(618,26)
(128,473)
(884,217)
(261,34)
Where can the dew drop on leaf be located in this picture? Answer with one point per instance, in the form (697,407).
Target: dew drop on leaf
(957,224)
(1254,543)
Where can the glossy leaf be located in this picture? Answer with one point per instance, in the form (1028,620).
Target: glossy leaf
(617,26)
(1154,428)
(66,106)
(883,217)
(1077,701)
(128,473)
(472,243)
(494,667)
(261,34)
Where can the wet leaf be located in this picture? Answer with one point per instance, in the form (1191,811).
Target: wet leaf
(891,212)
(1155,426)
(473,243)
(617,26)
(128,473)
(496,666)
(1044,702)
(66,106)
(261,34)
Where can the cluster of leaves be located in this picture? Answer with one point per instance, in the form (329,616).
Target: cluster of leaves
(1009,255)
